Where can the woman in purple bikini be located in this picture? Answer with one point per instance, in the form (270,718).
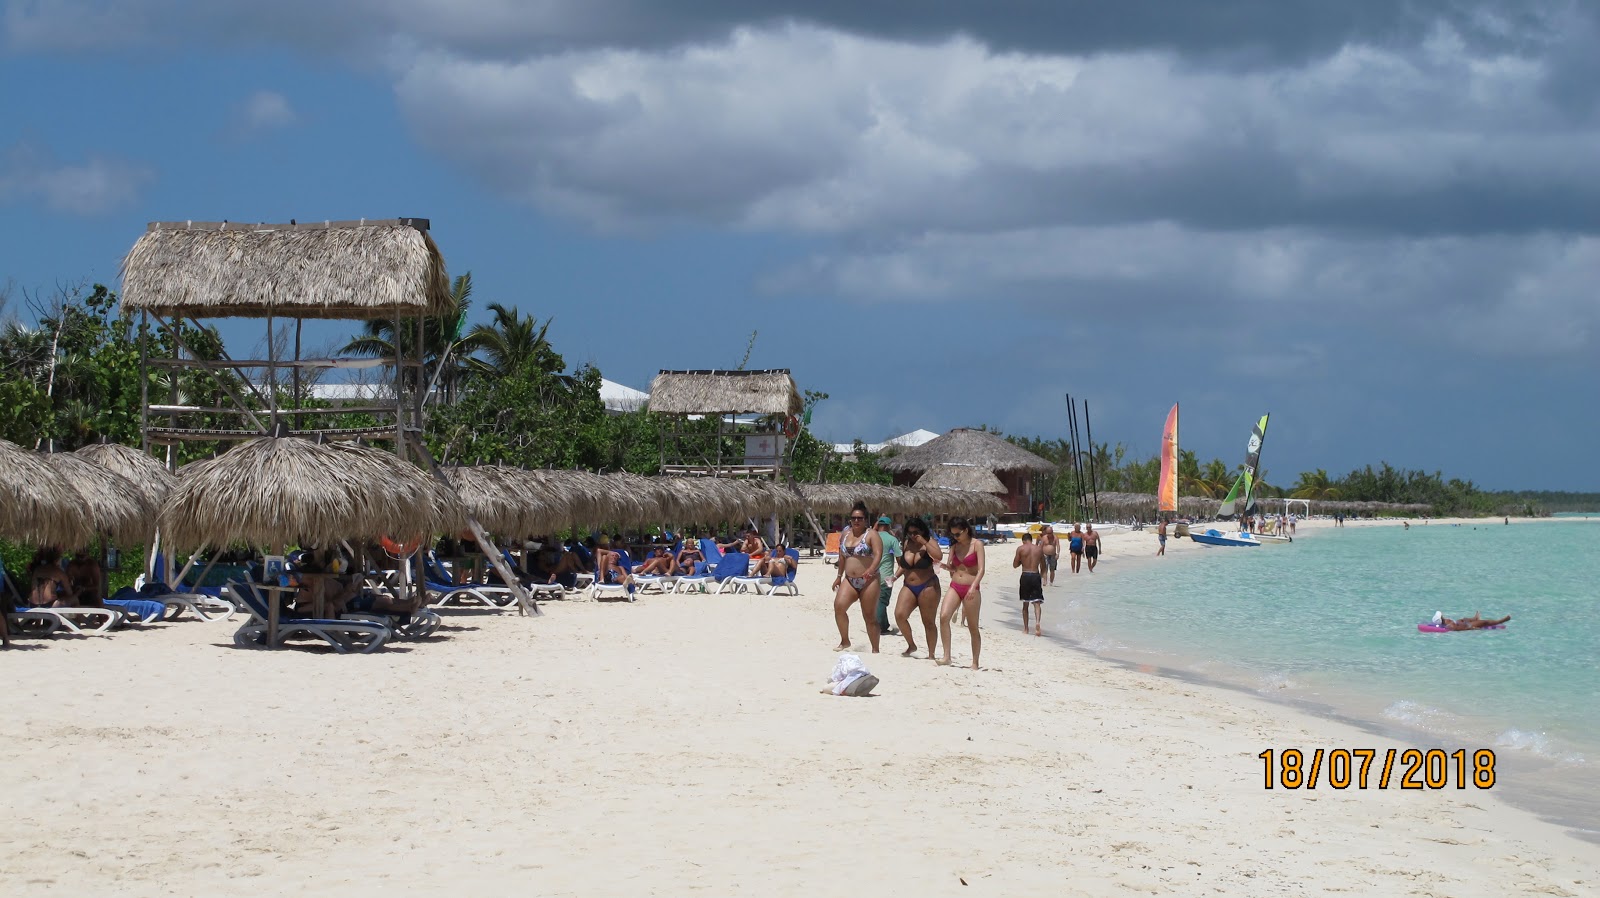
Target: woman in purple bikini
(919,585)
(860,551)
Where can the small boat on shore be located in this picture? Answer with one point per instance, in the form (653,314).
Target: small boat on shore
(1215,537)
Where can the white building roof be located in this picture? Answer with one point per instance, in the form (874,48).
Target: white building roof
(619,398)
(905,440)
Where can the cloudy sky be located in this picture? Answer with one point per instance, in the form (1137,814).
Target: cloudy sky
(1379,221)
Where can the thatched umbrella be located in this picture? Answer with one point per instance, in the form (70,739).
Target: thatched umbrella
(276,491)
(116,506)
(38,504)
(506,500)
(139,467)
(770,392)
(344,269)
(954,476)
(964,446)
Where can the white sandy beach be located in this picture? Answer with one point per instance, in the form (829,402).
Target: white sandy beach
(680,745)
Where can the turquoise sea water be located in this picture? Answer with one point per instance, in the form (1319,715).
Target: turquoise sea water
(1330,622)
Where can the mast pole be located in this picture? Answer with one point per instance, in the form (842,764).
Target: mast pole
(1094,483)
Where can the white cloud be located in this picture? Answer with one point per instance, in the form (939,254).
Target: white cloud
(94,186)
(264,110)
(260,113)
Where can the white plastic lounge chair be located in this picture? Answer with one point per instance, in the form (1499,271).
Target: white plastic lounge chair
(598,589)
(208,608)
(37,623)
(787,582)
(82,621)
(344,635)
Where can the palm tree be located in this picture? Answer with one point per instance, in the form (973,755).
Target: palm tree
(1314,485)
(442,344)
(511,342)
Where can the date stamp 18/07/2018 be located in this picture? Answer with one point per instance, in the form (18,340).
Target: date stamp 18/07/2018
(1371,768)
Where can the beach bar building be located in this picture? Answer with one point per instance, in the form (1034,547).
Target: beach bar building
(963,456)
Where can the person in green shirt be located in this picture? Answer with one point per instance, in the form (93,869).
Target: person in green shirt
(891,551)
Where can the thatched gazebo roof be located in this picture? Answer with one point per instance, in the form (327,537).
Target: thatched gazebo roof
(837,498)
(115,505)
(340,269)
(964,446)
(952,476)
(277,491)
(38,504)
(771,392)
(148,474)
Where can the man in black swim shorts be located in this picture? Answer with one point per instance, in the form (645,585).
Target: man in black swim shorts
(1030,586)
(1091,546)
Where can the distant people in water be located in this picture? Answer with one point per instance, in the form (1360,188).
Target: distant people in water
(1091,547)
(1030,584)
(1075,546)
(1050,545)
(1408,525)
(1475,622)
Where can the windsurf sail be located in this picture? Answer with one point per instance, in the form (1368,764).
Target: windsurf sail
(1238,499)
(1167,489)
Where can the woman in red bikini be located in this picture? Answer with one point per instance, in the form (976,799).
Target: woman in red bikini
(920,585)
(966,566)
(860,551)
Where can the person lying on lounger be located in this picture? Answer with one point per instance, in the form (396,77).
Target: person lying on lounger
(660,563)
(689,556)
(1475,622)
(86,579)
(49,586)
(778,564)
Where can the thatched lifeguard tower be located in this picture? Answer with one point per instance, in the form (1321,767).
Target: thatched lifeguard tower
(371,269)
(727,423)
(349,270)
(944,457)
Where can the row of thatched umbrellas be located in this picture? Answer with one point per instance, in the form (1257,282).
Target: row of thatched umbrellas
(279,491)
(1144,505)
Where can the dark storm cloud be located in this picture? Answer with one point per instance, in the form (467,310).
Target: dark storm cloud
(1240,31)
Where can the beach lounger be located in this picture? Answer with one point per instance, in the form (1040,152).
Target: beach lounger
(787,582)
(205,602)
(733,565)
(830,548)
(442,592)
(598,589)
(72,620)
(344,635)
(27,622)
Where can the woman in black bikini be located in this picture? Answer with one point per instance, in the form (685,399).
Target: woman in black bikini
(860,551)
(921,585)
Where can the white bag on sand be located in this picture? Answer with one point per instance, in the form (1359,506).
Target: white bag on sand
(847,671)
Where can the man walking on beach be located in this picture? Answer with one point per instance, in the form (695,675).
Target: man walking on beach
(1030,586)
(1050,546)
(1091,547)
(891,551)
(1161,537)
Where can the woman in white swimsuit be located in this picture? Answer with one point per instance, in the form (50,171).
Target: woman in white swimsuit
(860,550)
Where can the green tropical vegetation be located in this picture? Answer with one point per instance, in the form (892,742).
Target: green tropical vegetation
(501,392)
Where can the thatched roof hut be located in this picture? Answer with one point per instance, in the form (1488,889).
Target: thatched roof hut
(115,505)
(342,269)
(276,491)
(965,446)
(837,498)
(38,504)
(771,392)
(952,476)
(148,474)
